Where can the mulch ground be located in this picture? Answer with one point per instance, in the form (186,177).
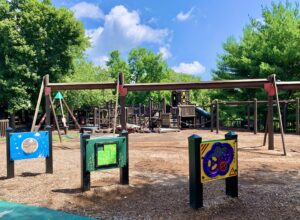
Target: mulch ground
(269,183)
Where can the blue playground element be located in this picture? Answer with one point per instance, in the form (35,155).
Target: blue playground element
(27,145)
(200,111)
(12,211)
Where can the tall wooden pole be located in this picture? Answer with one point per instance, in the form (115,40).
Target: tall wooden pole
(297,115)
(150,111)
(217,117)
(270,123)
(164,107)
(285,108)
(37,105)
(212,116)
(47,100)
(248,117)
(255,115)
(55,118)
(72,116)
(279,115)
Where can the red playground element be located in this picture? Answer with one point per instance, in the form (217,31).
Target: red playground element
(47,90)
(122,90)
(270,89)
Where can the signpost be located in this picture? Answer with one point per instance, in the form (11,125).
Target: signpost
(102,153)
(212,160)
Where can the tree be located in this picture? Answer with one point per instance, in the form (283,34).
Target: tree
(270,45)
(36,39)
(146,67)
(85,71)
(117,65)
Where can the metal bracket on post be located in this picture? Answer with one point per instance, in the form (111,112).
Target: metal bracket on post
(124,171)
(49,159)
(195,185)
(232,182)
(85,175)
(10,164)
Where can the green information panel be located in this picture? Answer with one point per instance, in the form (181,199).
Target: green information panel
(105,153)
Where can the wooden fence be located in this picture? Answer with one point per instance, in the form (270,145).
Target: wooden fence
(3,125)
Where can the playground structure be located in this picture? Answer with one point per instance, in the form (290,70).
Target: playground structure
(270,85)
(255,124)
(28,145)
(212,160)
(178,114)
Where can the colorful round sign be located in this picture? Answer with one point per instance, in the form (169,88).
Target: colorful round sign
(30,145)
(217,161)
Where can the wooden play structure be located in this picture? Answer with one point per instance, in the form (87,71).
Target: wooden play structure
(253,123)
(270,85)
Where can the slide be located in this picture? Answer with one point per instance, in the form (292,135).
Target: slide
(200,111)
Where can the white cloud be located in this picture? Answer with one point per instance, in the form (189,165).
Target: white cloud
(87,10)
(184,16)
(166,54)
(193,68)
(123,30)
(101,60)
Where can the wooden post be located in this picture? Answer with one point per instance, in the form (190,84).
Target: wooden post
(248,116)
(47,100)
(297,115)
(266,130)
(212,116)
(71,113)
(195,185)
(10,164)
(150,111)
(55,118)
(270,123)
(279,114)
(49,159)
(255,115)
(217,117)
(124,171)
(285,109)
(140,114)
(164,107)
(37,105)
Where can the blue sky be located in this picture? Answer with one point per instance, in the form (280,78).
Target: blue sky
(189,34)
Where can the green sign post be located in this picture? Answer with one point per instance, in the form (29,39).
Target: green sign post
(102,153)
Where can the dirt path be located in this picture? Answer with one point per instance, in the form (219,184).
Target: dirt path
(269,184)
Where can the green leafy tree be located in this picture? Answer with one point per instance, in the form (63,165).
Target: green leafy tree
(146,67)
(117,65)
(270,45)
(85,71)
(36,39)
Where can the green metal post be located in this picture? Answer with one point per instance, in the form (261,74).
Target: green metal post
(49,159)
(232,182)
(10,164)
(85,175)
(196,187)
(124,171)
